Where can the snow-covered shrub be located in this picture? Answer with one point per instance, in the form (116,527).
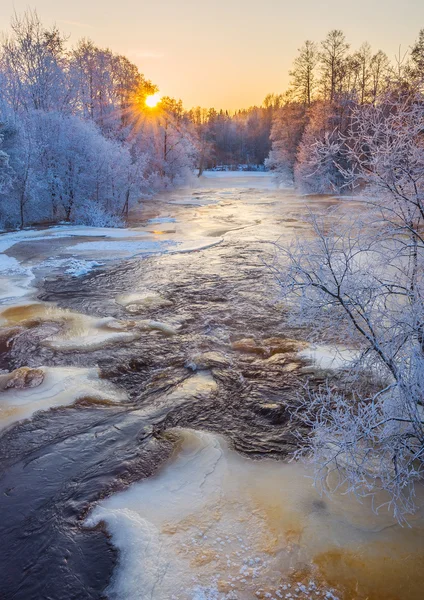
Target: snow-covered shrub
(90,213)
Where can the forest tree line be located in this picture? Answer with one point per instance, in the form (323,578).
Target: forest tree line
(238,140)
(328,81)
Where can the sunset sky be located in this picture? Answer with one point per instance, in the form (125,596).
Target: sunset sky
(225,53)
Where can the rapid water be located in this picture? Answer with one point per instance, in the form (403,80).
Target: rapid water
(143,434)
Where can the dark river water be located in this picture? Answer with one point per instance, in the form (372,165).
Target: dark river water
(177,338)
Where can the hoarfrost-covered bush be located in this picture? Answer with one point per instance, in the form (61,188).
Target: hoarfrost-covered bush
(90,213)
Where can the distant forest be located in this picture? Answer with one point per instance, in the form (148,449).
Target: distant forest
(235,140)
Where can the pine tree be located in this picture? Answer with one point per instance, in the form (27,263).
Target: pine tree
(417,56)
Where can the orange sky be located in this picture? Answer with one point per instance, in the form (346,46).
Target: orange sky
(224,53)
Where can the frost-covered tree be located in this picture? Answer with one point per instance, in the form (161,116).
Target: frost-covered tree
(364,57)
(342,81)
(63,168)
(379,72)
(361,281)
(417,56)
(314,172)
(106,86)
(172,144)
(6,171)
(85,175)
(33,65)
(287,131)
(20,201)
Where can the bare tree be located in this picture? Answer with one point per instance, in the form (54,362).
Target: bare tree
(303,72)
(379,70)
(332,59)
(364,57)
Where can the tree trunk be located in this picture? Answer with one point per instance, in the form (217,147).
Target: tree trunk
(21,209)
(125,210)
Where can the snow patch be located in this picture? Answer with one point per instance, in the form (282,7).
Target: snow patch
(159,220)
(8,264)
(329,357)
(122,249)
(87,231)
(72,266)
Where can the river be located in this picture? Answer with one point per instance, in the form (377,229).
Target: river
(145,422)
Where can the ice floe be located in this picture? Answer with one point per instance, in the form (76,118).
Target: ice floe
(53,387)
(139,301)
(215,525)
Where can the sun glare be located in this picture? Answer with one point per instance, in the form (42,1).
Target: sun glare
(153,100)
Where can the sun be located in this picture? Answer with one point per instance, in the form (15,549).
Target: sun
(153,100)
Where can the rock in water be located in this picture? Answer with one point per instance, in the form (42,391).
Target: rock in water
(21,379)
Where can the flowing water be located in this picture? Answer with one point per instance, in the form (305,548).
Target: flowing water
(148,375)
